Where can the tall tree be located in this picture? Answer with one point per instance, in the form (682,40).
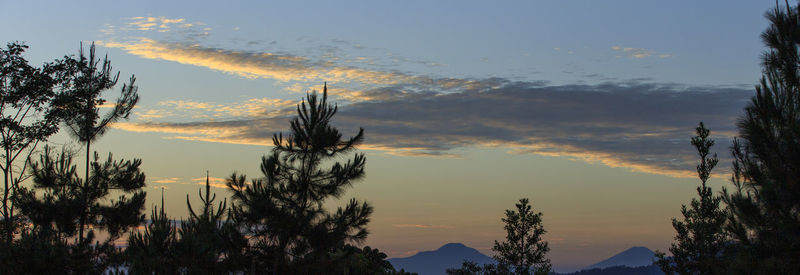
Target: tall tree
(89,78)
(67,204)
(766,201)
(524,251)
(26,93)
(283,212)
(701,239)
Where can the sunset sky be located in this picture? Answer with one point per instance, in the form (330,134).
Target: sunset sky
(585,107)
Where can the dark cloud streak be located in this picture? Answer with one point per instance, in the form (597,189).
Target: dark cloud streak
(642,126)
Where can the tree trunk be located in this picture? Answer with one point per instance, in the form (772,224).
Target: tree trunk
(83,194)
(6,214)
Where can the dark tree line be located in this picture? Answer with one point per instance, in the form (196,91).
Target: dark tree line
(56,210)
(756,229)
(274,224)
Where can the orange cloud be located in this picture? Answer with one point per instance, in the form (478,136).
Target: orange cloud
(169,180)
(255,65)
(212,181)
(423,226)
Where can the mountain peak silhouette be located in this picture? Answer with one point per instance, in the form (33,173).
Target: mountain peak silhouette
(453,246)
(437,261)
(632,257)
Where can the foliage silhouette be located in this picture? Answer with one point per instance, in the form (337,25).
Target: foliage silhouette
(66,198)
(283,212)
(765,203)
(619,270)
(523,251)
(88,78)
(210,242)
(62,200)
(205,243)
(26,119)
(66,204)
(701,240)
(353,260)
(472,268)
(153,250)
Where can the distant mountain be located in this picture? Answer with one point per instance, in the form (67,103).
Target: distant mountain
(633,257)
(438,261)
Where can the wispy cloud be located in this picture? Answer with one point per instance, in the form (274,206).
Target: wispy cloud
(212,181)
(633,124)
(165,180)
(208,110)
(422,226)
(249,65)
(638,52)
(161,23)
(283,67)
(255,65)
(298,71)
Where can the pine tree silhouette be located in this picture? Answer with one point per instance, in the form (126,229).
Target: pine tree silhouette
(701,239)
(524,251)
(210,241)
(766,170)
(153,250)
(88,79)
(284,210)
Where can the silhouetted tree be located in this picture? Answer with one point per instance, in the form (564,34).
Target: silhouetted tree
(88,79)
(472,268)
(210,242)
(153,251)
(766,201)
(524,251)
(701,239)
(283,212)
(66,204)
(402,272)
(61,200)
(39,251)
(620,270)
(25,120)
(467,268)
(353,260)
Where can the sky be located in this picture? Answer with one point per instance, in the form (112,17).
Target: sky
(585,107)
